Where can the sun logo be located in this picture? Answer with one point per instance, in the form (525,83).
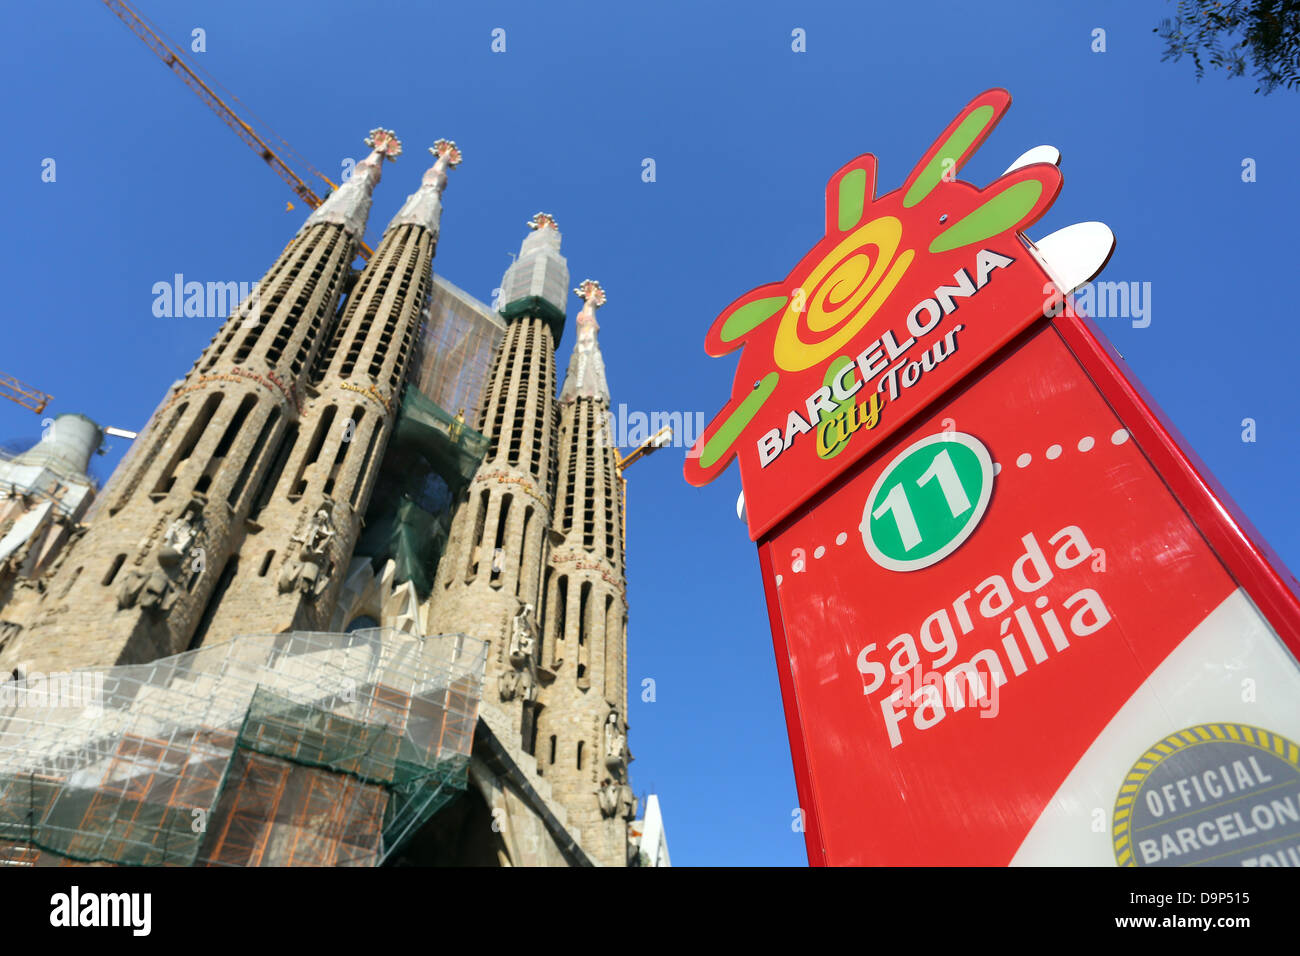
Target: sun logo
(800,333)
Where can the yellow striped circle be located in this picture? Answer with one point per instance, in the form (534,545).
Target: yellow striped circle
(1243,734)
(841,294)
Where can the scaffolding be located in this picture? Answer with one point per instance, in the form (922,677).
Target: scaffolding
(430,459)
(434,450)
(459,341)
(303,748)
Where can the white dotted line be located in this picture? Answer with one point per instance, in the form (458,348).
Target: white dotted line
(1053,452)
(1086,443)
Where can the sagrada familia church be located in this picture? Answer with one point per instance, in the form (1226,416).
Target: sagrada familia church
(299,502)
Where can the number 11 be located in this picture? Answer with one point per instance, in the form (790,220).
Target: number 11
(898,504)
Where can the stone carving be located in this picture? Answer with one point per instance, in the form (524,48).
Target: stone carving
(543,220)
(157,589)
(523,644)
(309,570)
(615,795)
(607,796)
(153,591)
(616,800)
(520,680)
(615,744)
(518,683)
(181,535)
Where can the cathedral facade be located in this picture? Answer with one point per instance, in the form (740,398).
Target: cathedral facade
(242,509)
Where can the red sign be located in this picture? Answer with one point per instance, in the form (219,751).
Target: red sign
(1005,661)
(1015,621)
(905,294)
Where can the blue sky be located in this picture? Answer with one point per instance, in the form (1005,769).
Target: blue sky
(744,134)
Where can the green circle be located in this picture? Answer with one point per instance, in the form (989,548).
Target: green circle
(927,501)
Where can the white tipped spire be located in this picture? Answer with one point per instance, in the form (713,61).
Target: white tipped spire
(543,220)
(349,205)
(424,206)
(545,235)
(537,282)
(586,375)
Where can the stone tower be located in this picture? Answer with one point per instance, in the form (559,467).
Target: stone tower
(45,492)
(582,730)
(535,557)
(304,526)
(490,578)
(136,585)
(240,506)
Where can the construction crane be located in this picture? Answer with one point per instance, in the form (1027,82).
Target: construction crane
(652,444)
(656,441)
(23,394)
(36,400)
(173,61)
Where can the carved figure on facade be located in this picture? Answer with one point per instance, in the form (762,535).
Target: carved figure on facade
(607,796)
(523,640)
(615,745)
(616,799)
(153,591)
(615,795)
(518,683)
(520,680)
(157,589)
(308,570)
(182,536)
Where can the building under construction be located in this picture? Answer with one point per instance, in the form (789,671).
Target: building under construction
(356,594)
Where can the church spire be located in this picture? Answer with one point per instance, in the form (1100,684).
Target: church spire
(424,206)
(349,205)
(586,375)
(537,283)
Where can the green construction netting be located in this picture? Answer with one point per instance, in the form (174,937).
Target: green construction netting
(430,458)
(289,749)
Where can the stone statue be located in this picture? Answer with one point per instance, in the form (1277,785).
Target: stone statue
(615,740)
(517,683)
(522,643)
(157,590)
(608,797)
(508,684)
(521,679)
(181,535)
(153,591)
(319,534)
(309,572)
